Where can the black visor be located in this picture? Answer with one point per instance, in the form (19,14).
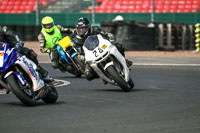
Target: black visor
(82,30)
(48,26)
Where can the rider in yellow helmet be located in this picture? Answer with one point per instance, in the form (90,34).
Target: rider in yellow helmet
(49,37)
(48,24)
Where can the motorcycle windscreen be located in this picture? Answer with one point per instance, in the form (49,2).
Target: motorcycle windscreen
(91,42)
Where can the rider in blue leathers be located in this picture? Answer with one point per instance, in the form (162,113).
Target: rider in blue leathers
(15,41)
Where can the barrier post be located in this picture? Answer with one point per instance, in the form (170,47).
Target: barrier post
(160,35)
(197,37)
(183,37)
(169,37)
(191,37)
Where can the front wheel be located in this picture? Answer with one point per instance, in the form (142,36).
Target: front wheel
(26,96)
(119,80)
(81,65)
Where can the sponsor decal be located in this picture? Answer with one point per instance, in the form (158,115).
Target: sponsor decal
(21,79)
(31,69)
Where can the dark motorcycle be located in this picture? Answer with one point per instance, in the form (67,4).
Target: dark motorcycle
(71,59)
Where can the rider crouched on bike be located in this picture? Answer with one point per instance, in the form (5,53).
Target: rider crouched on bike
(83,30)
(49,37)
(15,41)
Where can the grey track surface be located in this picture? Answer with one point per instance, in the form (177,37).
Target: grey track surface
(165,100)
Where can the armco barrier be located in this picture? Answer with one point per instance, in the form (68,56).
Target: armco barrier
(69,19)
(136,35)
(133,35)
(139,36)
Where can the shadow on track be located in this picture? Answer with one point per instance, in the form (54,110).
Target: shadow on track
(39,103)
(117,90)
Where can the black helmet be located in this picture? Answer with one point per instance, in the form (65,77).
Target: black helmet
(82,26)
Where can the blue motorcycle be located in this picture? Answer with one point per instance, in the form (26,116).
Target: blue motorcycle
(19,75)
(70,59)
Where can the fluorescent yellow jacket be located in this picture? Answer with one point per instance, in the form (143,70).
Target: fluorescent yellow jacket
(51,40)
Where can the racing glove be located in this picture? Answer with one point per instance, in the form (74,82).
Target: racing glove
(19,45)
(45,50)
(111,37)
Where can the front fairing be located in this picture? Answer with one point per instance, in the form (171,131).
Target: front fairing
(100,54)
(30,68)
(96,47)
(8,56)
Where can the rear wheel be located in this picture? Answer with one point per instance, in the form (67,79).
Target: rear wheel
(51,96)
(119,80)
(131,83)
(26,95)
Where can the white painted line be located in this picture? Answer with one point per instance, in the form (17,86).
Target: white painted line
(2,92)
(64,82)
(163,64)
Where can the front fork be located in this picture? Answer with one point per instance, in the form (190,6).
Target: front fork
(73,62)
(18,74)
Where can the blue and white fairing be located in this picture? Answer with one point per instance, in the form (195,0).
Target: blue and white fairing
(9,56)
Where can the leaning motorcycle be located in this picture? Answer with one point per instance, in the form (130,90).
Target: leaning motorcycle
(19,75)
(105,59)
(71,59)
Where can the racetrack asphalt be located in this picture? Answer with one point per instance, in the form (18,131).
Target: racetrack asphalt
(165,99)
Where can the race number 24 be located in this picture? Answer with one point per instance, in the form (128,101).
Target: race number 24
(95,52)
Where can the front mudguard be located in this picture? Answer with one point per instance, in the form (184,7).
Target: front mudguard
(108,64)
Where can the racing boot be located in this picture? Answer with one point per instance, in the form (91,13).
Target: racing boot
(44,74)
(89,74)
(48,79)
(55,65)
(129,63)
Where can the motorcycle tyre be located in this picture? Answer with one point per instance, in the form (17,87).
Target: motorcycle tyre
(131,83)
(118,79)
(51,96)
(80,64)
(18,92)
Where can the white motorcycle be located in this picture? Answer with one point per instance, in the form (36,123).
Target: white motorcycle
(105,59)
